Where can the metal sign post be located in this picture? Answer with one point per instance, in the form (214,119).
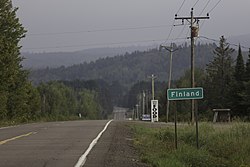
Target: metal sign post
(186,94)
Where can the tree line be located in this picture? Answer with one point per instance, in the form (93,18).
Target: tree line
(226,84)
(20,101)
(225,80)
(64,100)
(129,68)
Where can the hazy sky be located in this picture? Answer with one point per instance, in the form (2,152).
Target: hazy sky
(67,25)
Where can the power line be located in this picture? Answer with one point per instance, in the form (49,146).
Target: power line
(216,40)
(211,11)
(215,6)
(196,3)
(193,20)
(98,30)
(98,44)
(185,26)
(205,7)
(180,7)
(170,32)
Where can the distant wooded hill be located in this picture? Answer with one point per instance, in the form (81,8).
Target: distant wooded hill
(130,67)
(57,59)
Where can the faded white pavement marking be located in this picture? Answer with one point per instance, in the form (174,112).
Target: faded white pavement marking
(83,158)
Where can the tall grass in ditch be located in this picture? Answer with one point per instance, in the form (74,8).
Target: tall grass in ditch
(220,145)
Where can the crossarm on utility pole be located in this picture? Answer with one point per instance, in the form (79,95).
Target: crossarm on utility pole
(193,20)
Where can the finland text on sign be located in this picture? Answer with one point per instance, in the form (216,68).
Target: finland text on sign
(185,93)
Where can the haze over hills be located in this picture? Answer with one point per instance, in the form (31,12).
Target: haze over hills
(243,40)
(57,59)
(129,67)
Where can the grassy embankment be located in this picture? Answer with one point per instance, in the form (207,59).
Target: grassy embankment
(221,145)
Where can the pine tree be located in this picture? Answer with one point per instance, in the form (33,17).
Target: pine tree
(219,76)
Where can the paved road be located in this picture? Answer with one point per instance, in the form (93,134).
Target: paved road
(119,113)
(54,144)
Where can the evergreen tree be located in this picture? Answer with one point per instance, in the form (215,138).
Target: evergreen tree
(240,67)
(247,71)
(219,76)
(246,94)
(15,90)
(237,86)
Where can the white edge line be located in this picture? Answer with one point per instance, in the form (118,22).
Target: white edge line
(83,158)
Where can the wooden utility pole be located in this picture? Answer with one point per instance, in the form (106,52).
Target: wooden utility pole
(153,77)
(171,50)
(143,102)
(194,21)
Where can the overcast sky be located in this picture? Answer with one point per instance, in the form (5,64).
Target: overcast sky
(68,25)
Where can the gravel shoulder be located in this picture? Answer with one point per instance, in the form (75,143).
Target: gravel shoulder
(115,148)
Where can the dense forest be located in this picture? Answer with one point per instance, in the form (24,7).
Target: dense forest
(130,67)
(126,78)
(62,100)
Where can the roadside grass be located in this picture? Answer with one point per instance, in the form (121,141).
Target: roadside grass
(221,145)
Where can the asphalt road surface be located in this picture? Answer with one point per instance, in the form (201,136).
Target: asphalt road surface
(62,144)
(54,144)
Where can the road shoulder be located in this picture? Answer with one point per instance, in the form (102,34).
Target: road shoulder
(115,148)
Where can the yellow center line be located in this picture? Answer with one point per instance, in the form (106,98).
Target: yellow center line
(17,137)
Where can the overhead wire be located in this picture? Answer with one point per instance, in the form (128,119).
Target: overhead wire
(129,28)
(195,3)
(98,30)
(210,12)
(97,44)
(215,6)
(180,7)
(104,30)
(183,28)
(170,32)
(216,40)
(181,32)
(205,7)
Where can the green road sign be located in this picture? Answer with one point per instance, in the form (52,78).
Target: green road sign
(185,93)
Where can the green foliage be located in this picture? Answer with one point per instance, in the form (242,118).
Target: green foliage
(18,99)
(220,145)
(247,74)
(129,68)
(219,76)
(121,79)
(239,73)
(104,93)
(60,101)
(237,87)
